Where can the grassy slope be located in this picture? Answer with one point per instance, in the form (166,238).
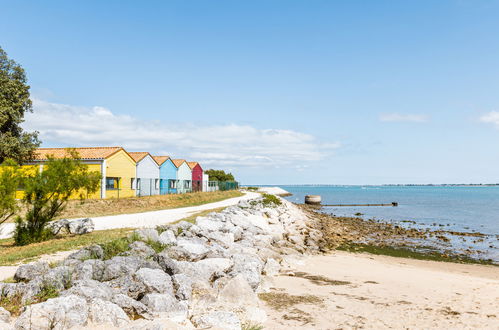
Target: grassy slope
(11,254)
(102,207)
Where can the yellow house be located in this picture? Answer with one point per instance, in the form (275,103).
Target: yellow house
(116,166)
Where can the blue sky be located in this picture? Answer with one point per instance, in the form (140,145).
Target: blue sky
(340,92)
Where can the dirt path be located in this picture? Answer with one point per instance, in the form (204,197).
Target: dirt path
(345,290)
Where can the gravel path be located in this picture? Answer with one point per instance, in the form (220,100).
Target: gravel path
(147,219)
(135,220)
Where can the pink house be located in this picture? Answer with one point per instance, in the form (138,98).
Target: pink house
(197,176)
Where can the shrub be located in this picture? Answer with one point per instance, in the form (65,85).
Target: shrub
(46,194)
(269,200)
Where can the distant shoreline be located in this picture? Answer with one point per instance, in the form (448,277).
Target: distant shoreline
(381,185)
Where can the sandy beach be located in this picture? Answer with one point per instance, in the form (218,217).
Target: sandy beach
(350,291)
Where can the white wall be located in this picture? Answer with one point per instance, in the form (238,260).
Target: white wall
(184,173)
(148,172)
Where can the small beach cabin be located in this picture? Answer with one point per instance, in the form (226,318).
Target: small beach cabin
(184,176)
(197,176)
(206,180)
(167,175)
(116,167)
(147,183)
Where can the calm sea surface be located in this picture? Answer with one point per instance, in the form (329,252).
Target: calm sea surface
(468,209)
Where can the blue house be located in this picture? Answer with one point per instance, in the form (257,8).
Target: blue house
(167,175)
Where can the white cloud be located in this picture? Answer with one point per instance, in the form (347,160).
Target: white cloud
(397,117)
(491,118)
(216,145)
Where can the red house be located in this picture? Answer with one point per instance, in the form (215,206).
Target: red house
(197,176)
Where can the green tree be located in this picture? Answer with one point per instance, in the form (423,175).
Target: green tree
(219,175)
(46,194)
(14,103)
(9,182)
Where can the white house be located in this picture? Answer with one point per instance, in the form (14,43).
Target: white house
(147,182)
(184,176)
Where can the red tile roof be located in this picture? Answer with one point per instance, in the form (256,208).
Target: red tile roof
(138,156)
(178,162)
(192,164)
(84,153)
(160,159)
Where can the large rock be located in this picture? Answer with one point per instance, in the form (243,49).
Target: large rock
(81,226)
(92,269)
(208,224)
(221,265)
(131,306)
(55,314)
(28,272)
(90,252)
(166,305)
(154,280)
(101,311)
(218,320)
(224,239)
(58,226)
(59,277)
(189,249)
(141,249)
(183,286)
(167,238)
(167,264)
(90,289)
(147,234)
(237,295)
(250,266)
(121,266)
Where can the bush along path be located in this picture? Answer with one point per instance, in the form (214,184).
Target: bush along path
(179,276)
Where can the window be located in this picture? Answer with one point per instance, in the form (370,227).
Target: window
(156,183)
(172,184)
(138,184)
(132,183)
(112,183)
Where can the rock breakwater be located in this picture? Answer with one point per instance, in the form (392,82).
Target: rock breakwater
(185,275)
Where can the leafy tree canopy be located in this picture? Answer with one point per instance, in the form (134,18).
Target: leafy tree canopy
(219,175)
(14,103)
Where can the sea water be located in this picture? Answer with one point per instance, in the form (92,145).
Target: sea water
(453,208)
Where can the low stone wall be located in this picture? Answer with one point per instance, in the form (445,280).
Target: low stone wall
(203,275)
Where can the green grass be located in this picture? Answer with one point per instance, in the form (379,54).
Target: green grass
(11,254)
(401,252)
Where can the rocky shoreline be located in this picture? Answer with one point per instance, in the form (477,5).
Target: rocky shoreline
(357,234)
(184,275)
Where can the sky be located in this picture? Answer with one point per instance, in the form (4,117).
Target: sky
(277,92)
